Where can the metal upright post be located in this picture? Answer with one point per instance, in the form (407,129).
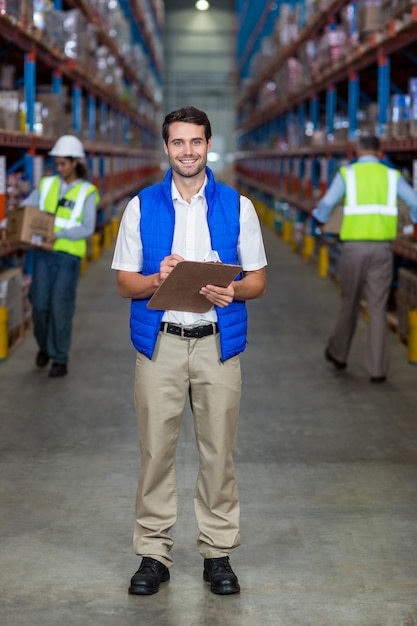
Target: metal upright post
(301,121)
(353,103)
(314,111)
(30,89)
(383,92)
(77,107)
(91,112)
(103,120)
(330,109)
(57,85)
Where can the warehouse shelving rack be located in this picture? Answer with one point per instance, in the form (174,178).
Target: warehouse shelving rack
(120,166)
(271,168)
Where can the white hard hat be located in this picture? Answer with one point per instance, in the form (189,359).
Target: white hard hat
(68,146)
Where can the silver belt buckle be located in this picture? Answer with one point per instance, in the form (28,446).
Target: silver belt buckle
(183,328)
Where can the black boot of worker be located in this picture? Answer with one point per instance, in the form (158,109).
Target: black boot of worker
(57,370)
(219,574)
(147,579)
(42,358)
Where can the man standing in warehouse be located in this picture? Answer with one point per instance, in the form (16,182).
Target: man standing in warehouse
(183,354)
(369,226)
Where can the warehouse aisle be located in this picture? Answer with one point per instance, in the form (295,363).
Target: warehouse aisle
(326,466)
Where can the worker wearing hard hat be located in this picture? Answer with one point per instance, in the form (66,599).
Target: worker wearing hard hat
(74,201)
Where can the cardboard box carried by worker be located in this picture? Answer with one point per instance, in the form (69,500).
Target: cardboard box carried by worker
(29,227)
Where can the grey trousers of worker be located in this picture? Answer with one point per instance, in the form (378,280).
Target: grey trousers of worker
(365,268)
(183,369)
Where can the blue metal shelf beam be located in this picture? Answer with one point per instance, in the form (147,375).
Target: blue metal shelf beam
(330,109)
(76,108)
(383,92)
(91,112)
(353,104)
(314,112)
(302,116)
(30,89)
(57,83)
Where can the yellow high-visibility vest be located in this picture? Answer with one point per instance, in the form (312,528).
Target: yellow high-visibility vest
(370,211)
(68,210)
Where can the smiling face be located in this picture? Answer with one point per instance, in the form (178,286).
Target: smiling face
(187,149)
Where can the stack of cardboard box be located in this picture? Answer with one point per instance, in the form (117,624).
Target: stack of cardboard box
(18,11)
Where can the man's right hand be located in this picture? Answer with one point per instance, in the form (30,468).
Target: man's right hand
(168,264)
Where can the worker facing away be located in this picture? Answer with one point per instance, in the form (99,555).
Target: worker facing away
(74,201)
(369,226)
(183,354)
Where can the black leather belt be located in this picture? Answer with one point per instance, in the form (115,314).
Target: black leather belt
(195,332)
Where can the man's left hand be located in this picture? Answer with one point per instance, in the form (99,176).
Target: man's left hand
(220,296)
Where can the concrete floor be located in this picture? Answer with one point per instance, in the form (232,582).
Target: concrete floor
(326,465)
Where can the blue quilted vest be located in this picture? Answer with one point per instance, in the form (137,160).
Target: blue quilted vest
(157,221)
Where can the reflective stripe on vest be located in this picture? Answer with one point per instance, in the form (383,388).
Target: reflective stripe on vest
(65,218)
(370,210)
(44,190)
(353,208)
(76,212)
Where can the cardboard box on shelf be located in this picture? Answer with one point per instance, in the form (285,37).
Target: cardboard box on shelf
(370,16)
(28,227)
(9,120)
(400,115)
(7,76)
(52,102)
(15,9)
(9,110)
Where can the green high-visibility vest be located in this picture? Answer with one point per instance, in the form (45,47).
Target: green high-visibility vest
(68,210)
(370,211)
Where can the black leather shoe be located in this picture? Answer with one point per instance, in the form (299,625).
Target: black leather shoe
(220,575)
(147,579)
(57,370)
(42,359)
(339,365)
(378,379)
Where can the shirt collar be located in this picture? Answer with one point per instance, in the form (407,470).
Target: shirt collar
(177,196)
(368,158)
(66,186)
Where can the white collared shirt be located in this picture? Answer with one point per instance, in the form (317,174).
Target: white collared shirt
(191,241)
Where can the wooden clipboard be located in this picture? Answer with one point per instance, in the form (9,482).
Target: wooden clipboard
(180,290)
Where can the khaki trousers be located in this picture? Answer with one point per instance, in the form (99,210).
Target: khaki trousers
(364,266)
(180,369)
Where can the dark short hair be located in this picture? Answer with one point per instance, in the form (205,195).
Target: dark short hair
(190,115)
(369,142)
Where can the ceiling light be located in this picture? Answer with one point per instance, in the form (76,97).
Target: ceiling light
(202,5)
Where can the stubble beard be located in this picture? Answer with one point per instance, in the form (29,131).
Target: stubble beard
(188,173)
